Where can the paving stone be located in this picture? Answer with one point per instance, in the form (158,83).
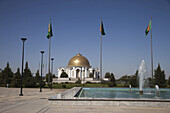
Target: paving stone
(34,101)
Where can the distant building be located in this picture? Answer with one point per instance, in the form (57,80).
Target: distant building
(78,68)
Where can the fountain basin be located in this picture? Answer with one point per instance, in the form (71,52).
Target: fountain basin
(148,93)
(74,97)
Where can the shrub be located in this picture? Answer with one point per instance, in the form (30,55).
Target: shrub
(88,82)
(110,84)
(107,75)
(64,86)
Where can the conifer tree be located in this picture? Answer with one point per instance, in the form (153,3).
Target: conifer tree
(112,79)
(46,78)
(169,80)
(160,77)
(6,75)
(37,78)
(107,75)
(16,80)
(1,79)
(28,79)
(133,79)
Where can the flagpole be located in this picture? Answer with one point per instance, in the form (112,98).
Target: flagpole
(49,62)
(151,51)
(101,57)
(101,51)
(49,37)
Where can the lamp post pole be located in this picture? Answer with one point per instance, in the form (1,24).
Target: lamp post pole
(51,72)
(41,70)
(23,40)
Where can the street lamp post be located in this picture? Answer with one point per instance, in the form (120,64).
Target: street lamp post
(41,70)
(23,40)
(51,71)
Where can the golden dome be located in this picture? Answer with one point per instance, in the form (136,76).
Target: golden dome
(78,60)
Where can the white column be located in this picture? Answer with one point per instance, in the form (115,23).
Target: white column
(81,73)
(69,74)
(74,71)
(94,73)
(59,73)
(85,72)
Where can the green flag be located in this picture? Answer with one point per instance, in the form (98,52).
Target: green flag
(102,29)
(50,34)
(148,28)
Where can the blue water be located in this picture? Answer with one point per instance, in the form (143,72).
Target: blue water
(123,93)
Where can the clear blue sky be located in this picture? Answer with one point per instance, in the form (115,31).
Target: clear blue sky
(75,25)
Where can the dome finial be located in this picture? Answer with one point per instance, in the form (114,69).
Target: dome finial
(79,54)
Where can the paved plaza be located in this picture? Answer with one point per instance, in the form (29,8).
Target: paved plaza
(34,101)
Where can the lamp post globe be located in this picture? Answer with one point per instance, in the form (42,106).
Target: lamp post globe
(23,39)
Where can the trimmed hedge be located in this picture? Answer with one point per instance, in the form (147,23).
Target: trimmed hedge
(68,86)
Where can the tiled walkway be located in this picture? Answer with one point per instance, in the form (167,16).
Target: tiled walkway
(34,101)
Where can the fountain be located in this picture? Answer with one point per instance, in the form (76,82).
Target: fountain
(157,90)
(130,87)
(142,72)
(116,96)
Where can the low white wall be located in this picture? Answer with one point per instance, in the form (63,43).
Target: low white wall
(88,79)
(106,79)
(63,79)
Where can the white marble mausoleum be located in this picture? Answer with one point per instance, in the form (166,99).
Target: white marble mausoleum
(78,68)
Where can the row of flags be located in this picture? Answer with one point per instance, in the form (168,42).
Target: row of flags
(50,34)
(146,31)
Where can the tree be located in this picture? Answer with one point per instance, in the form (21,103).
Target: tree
(64,75)
(28,79)
(16,80)
(160,77)
(169,80)
(148,82)
(107,75)
(137,78)
(112,79)
(37,78)
(133,79)
(1,79)
(46,77)
(6,75)
(125,79)
(53,75)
